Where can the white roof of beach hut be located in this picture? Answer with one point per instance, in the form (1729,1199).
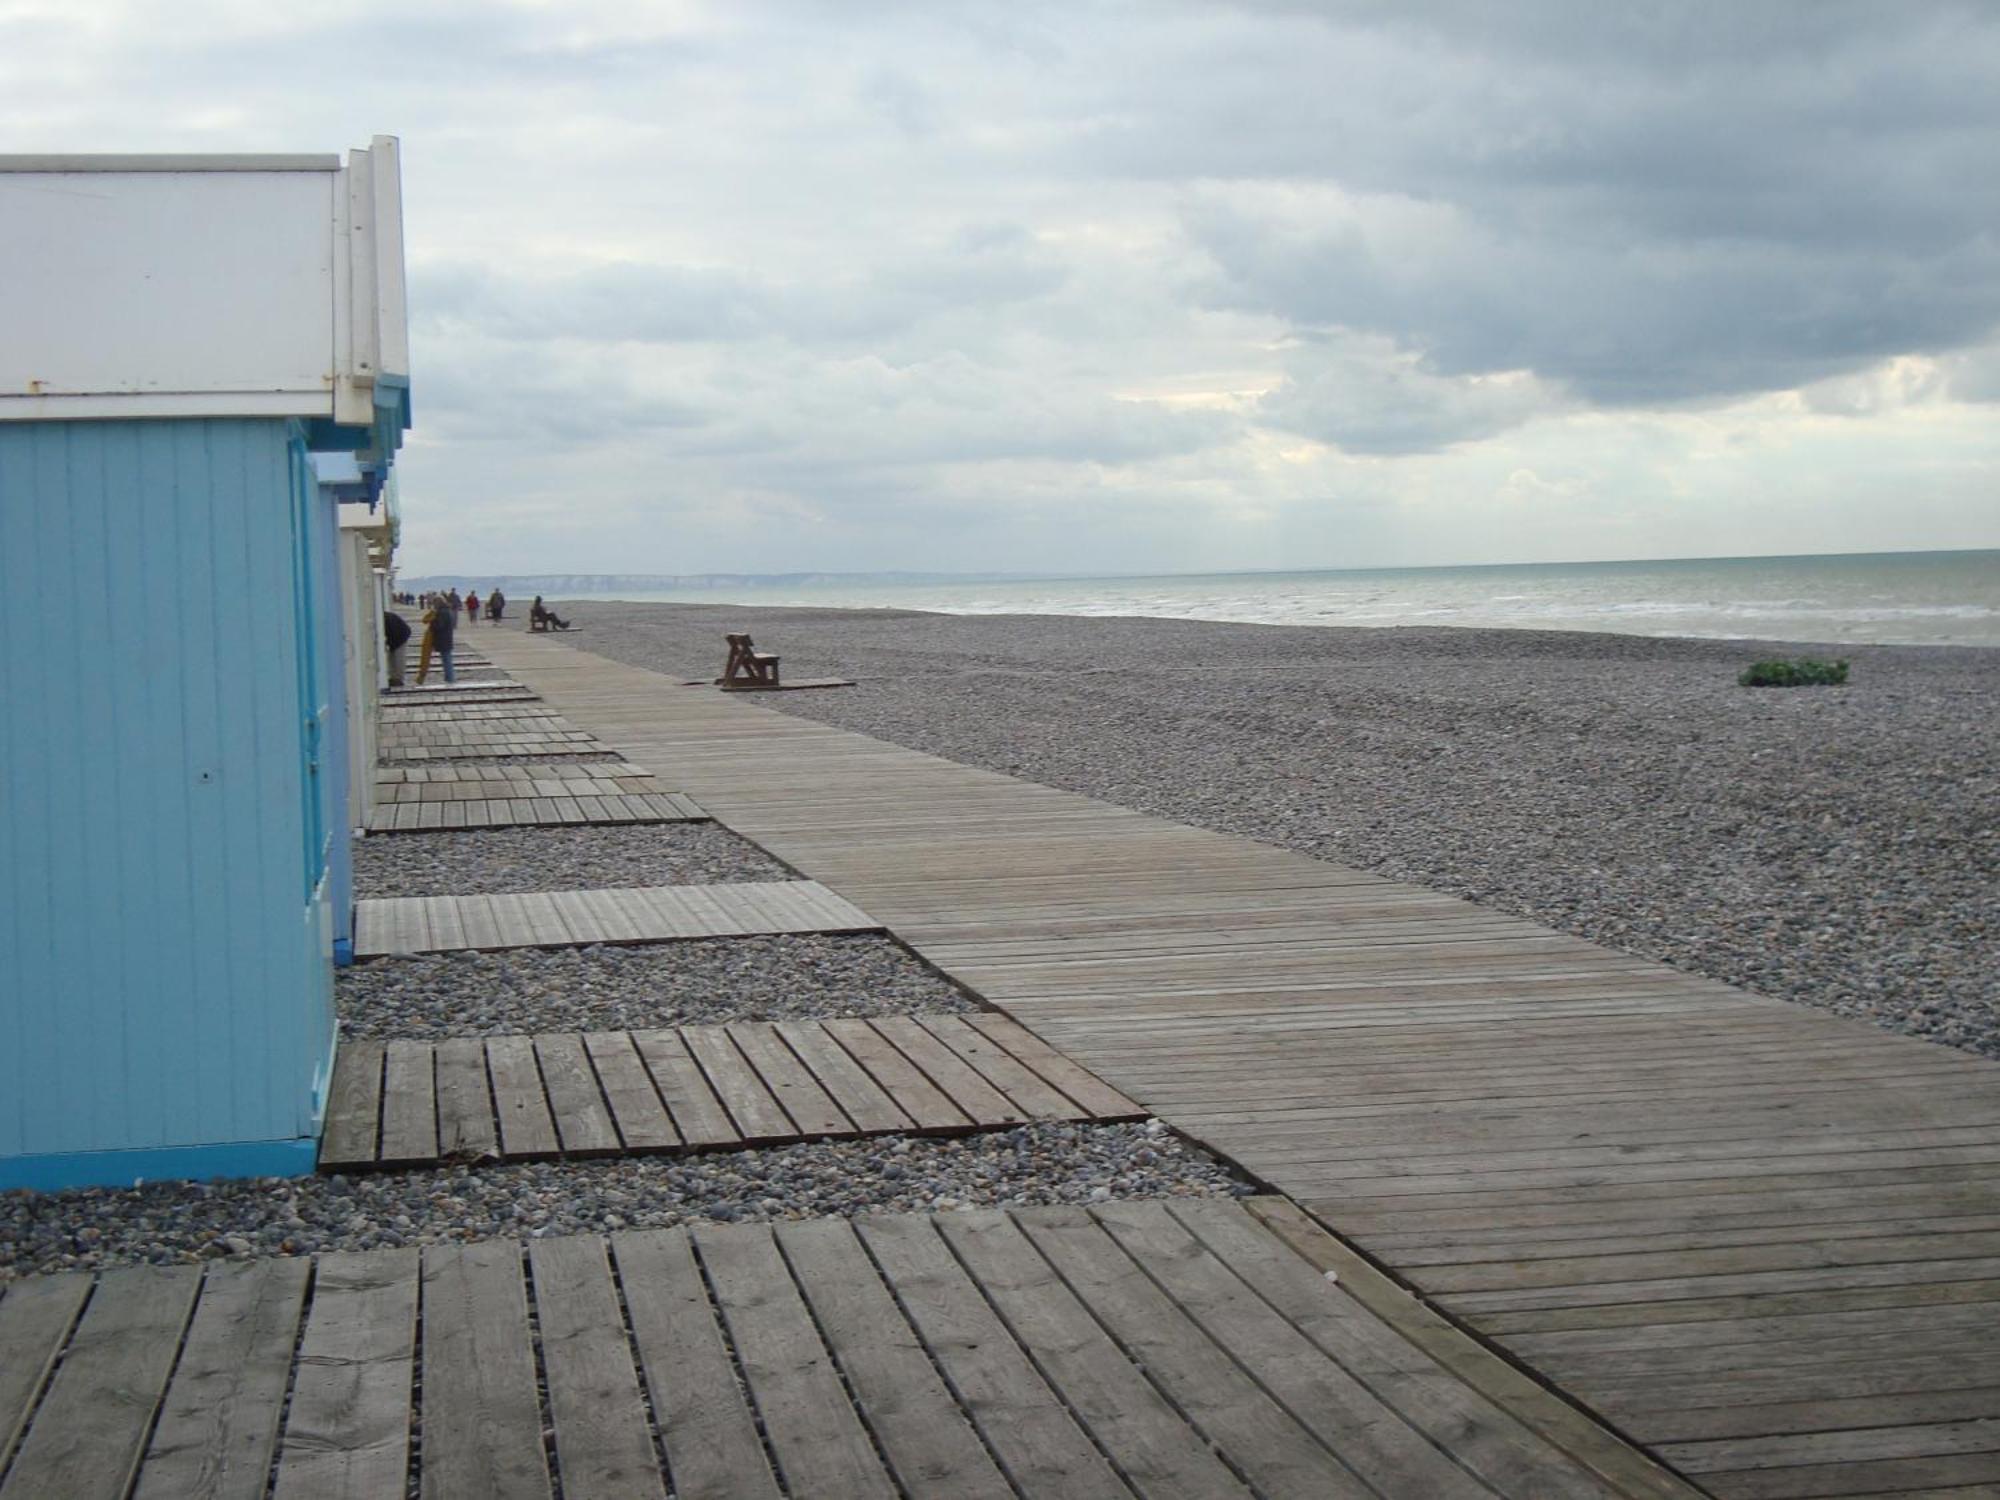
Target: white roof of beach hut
(202,286)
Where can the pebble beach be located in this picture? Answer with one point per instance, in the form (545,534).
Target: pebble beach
(1836,847)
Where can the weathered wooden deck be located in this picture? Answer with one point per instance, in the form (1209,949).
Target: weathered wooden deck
(421,799)
(750,1083)
(475,730)
(1135,1349)
(1762,1239)
(491,806)
(560,919)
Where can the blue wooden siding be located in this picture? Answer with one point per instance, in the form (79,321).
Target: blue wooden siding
(163,980)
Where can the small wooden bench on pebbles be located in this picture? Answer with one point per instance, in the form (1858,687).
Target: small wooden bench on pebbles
(749,670)
(748,667)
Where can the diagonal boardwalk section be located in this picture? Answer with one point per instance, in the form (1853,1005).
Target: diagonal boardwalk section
(409,1103)
(1761,1239)
(1137,1349)
(385,925)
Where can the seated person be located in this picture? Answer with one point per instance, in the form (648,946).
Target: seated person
(541,614)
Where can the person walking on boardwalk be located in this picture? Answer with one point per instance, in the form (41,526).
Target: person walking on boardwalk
(472,606)
(396,636)
(495,603)
(442,631)
(439,626)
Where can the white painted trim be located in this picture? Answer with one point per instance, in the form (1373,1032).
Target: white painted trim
(391,306)
(175,404)
(156,163)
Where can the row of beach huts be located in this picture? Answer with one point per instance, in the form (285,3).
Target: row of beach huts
(204,382)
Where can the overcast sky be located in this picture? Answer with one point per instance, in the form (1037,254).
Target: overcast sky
(1129,287)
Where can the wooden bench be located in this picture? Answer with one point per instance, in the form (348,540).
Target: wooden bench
(748,667)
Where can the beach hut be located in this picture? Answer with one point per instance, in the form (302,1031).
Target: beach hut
(367,547)
(181,335)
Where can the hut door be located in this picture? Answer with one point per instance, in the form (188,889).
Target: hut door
(311,603)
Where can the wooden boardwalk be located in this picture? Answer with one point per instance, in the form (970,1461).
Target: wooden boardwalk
(1762,1239)
(750,1083)
(499,691)
(472,805)
(1142,1349)
(441,734)
(561,919)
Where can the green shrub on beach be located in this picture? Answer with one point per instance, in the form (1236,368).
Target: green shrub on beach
(1805,672)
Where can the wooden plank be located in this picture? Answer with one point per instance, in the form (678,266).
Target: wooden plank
(698,1115)
(604,1446)
(36,1315)
(583,1124)
(923,1434)
(1262,1440)
(1420,1327)
(1371,1436)
(820,1444)
(1027,1426)
(707,1429)
(90,1430)
(347,1436)
(926,1104)
(409,1106)
(1025,1089)
(860,1098)
(967,1090)
(466,1128)
(479,927)
(482,1417)
(757,1115)
(1152,1444)
(579,916)
(641,1119)
(218,1427)
(544,923)
(1092,1095)
(606,915)
(510,916)
(674,912)
(527,1129)
(813,1111)
(353,1106)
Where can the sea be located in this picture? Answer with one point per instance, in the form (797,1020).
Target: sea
(1890,598)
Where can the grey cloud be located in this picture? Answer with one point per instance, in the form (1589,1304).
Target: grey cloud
(1366,398)
(1648,204)
(983,269)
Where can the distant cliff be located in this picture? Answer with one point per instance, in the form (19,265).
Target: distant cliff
(570,585)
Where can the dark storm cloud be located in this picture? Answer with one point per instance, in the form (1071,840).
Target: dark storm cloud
(1644,204)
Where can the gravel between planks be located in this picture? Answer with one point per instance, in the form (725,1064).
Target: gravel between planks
(487,861)
(699,982)
(167,1223)
(1832,846)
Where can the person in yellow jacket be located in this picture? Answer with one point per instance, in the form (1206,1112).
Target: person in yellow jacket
(439,629)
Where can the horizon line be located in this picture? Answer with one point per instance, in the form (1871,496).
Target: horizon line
(1011,575)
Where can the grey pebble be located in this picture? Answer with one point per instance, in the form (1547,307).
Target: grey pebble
(168,1223)
(612,988)
(490,861)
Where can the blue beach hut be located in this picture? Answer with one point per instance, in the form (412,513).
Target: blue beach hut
(178,337)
